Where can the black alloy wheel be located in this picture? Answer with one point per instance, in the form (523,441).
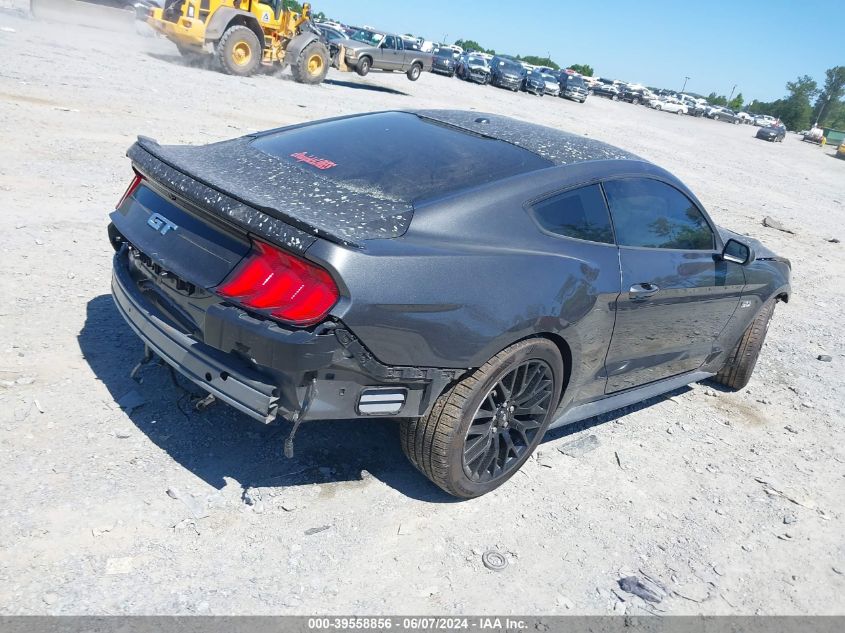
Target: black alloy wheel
(507,421)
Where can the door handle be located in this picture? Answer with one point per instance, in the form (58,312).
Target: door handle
(641,292)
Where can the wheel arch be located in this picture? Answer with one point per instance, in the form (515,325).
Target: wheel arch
(563,348)
(565,353)
(227,17)
(298,44)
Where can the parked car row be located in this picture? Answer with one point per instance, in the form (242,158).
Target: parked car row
(367,48)
(506,72)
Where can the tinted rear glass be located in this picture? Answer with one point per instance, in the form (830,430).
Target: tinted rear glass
(399,155)
(581,213)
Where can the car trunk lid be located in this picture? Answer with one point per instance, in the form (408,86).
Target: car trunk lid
(177,237)
(285,198)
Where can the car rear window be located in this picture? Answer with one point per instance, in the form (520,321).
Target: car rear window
(580,213)
(399,155)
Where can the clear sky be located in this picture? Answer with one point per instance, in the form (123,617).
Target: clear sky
(757,45)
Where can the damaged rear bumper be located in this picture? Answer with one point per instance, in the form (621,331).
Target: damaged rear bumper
(266,371)
(249,391)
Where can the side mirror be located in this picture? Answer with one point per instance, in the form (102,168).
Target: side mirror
(737,252)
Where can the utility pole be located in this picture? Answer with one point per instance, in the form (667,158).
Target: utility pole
(732,93)
(686,79)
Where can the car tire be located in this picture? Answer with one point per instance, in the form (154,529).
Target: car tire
(737,370)
(439,443)
(614,98)
(658,107)
(635,101)
(238,51)
(679,112)
(363,66)
(414,72)
(312,65)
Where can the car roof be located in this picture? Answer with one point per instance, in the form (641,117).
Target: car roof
(556,146)
(353,178)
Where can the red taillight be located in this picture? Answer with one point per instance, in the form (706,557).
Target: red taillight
(136,180)
(286,287)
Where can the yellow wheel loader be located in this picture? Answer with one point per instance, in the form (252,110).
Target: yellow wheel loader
(243,34)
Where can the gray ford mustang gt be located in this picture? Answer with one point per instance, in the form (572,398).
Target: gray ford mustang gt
(478,278)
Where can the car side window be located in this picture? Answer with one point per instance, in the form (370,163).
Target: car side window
(390,42)
(580,213)
(651,214)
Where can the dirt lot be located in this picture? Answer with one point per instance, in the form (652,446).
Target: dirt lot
(734,502)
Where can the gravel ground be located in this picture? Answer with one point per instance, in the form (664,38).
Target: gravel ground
(734,502)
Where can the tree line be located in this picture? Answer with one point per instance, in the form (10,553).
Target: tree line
(805,103)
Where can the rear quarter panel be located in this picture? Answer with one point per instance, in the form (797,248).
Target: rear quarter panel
(471,276)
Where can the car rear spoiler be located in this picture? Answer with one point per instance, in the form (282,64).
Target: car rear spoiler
(146,158)
(266,196)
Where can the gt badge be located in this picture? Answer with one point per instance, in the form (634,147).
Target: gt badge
(161,224)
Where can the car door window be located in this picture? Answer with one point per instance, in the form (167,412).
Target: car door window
(648,213)
(579,213)
(389,42)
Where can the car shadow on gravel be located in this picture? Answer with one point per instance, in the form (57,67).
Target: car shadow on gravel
(222,443)
(361,86)
(208,62)
(205,62)
(576,427)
